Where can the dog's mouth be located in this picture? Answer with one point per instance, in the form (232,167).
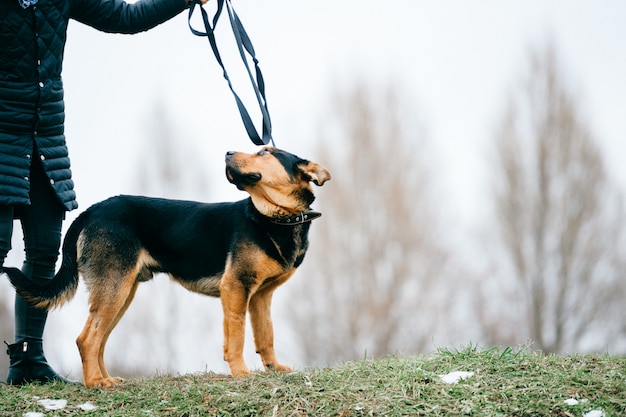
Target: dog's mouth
(240,179)
(229,175)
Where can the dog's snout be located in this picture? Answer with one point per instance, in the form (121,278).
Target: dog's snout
(230,153)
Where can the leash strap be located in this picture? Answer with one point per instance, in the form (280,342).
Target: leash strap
(244,45)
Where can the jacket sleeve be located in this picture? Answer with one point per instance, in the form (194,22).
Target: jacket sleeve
(117,16)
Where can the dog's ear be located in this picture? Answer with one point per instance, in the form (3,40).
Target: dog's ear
(314,172)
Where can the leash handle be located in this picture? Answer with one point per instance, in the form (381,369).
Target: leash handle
(244,45)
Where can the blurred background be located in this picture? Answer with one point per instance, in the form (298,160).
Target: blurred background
(476,149)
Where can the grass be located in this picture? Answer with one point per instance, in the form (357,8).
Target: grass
(506,382)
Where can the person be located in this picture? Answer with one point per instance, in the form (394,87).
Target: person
(36,184)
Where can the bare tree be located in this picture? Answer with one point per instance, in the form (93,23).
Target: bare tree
(560,220)
(378,278)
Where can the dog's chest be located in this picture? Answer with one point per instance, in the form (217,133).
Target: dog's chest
(290,245)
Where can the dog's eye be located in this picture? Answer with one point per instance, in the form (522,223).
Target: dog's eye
(263,152)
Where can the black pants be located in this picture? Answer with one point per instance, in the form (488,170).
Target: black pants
(41,225)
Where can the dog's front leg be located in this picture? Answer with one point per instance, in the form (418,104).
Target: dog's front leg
(263,330)
(234,302)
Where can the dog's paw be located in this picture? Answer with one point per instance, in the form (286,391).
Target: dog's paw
(278,367)
(116,380)
(241,374)
(104,382)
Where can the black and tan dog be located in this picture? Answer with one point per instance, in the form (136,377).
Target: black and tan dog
(239,251)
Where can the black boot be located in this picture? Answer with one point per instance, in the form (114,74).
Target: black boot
(27,360)
(28,364)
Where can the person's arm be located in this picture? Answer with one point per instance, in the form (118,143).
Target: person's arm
(117,16)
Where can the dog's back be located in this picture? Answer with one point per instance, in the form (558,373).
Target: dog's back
(186,239)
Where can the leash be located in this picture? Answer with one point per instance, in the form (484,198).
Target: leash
(245,46)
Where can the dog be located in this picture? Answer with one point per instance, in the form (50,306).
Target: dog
(238,251)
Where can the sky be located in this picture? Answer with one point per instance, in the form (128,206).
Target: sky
(457,61)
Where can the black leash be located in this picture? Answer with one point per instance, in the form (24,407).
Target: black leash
(244,45)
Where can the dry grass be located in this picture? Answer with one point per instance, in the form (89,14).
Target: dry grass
(506,382)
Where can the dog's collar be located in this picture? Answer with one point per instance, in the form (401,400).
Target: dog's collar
(296,218)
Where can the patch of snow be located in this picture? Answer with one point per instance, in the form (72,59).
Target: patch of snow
(87,406)
(52,404)
(594,413)
(573,401)
(34,414)
(454,377)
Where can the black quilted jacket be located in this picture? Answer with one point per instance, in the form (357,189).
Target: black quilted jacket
(31,90)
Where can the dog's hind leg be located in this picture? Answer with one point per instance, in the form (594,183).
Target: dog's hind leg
(107,304)
(116,320)
(263,329)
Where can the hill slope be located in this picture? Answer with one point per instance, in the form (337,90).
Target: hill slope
(497,382)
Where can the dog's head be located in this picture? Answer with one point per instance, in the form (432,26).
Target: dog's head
(277,181)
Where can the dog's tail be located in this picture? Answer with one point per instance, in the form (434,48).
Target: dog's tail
(62,287)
